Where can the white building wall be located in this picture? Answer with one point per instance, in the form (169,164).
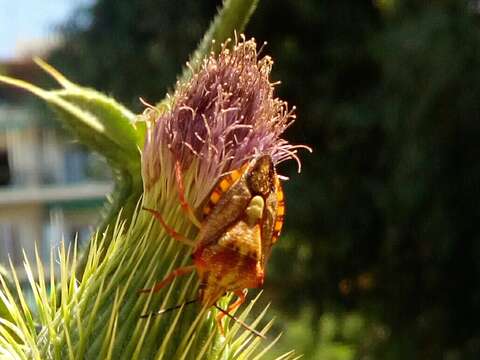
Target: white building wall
(22,224)
(24,157)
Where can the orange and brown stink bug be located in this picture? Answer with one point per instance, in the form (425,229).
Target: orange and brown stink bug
(239,222)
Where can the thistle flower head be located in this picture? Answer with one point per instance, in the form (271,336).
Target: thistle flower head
(223,116)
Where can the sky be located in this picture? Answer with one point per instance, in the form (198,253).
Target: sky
(24,20)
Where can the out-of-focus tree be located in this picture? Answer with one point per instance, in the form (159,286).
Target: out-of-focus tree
(383,218)
(132,49)
(387,204)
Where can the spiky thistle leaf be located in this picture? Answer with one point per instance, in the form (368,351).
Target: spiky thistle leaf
(100,315)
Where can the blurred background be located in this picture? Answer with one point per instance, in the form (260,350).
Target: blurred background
(380,258)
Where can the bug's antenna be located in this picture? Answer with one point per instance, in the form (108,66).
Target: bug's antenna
(163,311)
(252,330)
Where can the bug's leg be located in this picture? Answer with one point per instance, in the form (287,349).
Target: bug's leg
(177,272)
(181,195)
(242,294)
(170,231)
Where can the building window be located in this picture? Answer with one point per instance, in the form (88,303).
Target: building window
(10,245)
(4,168)
(75,164)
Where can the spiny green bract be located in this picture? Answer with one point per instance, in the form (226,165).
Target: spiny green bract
(98,316)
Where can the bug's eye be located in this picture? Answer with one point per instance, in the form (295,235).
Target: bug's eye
(261,178)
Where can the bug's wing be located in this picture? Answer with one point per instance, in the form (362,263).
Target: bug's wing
(227,206)
(244,239)
(223,185)
(273,220)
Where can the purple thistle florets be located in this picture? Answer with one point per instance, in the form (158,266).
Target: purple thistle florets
(223,116)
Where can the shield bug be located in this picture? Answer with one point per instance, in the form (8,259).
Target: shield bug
(238,224)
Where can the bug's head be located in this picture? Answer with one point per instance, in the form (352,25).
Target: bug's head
(261,176)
